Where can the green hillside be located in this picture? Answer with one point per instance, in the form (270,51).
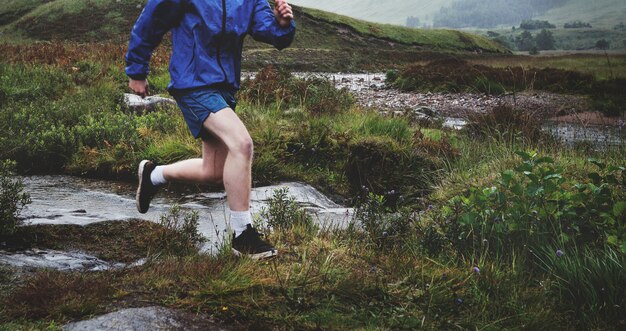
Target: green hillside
(382,11)
(98,20)
(600,13)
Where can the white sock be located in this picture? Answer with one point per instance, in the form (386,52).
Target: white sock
(156,177)
(239,221)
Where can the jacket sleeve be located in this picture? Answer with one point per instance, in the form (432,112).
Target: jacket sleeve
(266,29)
(158,17)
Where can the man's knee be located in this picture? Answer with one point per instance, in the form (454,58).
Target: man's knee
(244,147)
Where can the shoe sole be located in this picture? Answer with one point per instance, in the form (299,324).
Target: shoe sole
(140,175)
(257,256)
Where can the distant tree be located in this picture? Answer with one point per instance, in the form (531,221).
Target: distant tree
(491,13)
(536,25)
(412,22)
(620,27)
(576,25)
(603,44)
(525,41)
(544,40)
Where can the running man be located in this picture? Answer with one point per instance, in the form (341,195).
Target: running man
(205,69)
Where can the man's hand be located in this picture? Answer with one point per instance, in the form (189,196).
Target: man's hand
(139,87)
(283,13)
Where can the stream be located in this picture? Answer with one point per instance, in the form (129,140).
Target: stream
(60,200)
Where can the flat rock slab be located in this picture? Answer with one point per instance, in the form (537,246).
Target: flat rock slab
(58,260)
(59,200)
(148,318)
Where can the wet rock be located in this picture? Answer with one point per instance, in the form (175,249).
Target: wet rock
(427,111)
(50,259)
(138,103)
(148,318)
(108,200)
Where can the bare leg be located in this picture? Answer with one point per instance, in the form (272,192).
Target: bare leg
(237,173)
(208,169)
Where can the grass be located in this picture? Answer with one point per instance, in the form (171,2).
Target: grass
(346,278)
(434,39)
(123,241)
(324,278)
(592,64)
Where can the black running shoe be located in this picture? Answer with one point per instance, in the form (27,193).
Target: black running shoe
(250,244)
(146,189)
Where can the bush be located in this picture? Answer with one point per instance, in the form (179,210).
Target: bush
(283,212)
(383,167)
(534,205)
(276,87)
(12,198)
(178,234)
(381,224)
(506,123)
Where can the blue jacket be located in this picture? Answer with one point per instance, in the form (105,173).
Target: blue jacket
(207,39)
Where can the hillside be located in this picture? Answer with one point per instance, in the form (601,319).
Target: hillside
(382,11)
(600,13)
(98,20)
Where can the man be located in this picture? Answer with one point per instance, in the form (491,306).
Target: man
(207,40)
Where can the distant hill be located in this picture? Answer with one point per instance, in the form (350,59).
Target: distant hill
(600,13)
(324,41)
(493,13)
(98,20)
(382,11)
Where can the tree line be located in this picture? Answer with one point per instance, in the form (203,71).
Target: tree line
(490,13)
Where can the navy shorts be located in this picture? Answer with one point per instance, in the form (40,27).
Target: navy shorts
(197,104)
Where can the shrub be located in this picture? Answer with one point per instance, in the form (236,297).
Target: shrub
(12,198)
(283,213)
(383,167)
(534,205)
(321,97)
(317,95)
(21,83)
(506,123)
(391,76)
(379,221)
(178,234)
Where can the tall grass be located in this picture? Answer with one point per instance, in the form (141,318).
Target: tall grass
(589,282)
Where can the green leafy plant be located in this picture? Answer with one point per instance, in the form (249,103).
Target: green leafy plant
(178,234)
(282,212)
(534,205)
(379,221)
(12,198)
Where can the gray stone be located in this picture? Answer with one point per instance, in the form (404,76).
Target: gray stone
(134,101)
(63,261)
(56,198)
(148,318)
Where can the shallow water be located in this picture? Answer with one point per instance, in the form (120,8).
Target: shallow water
(598,136)
(80,201)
